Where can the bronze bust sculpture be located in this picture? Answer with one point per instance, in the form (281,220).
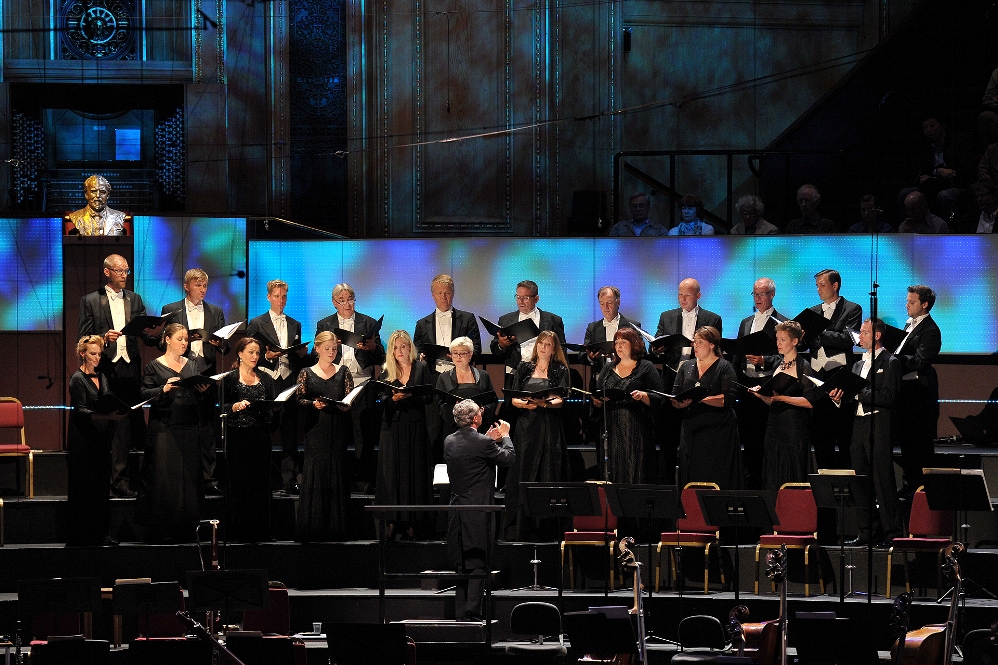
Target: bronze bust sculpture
(97,219)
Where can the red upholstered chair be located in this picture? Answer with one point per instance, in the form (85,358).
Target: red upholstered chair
(12,418)
(591,531)
(691,531)
(798,529)
(276,621)
(928,531)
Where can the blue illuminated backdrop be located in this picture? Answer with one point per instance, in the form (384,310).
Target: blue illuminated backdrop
(392,277)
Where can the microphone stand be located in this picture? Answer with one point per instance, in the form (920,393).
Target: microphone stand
(874,274)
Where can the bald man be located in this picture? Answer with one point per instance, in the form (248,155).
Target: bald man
(684,320)
(105,312)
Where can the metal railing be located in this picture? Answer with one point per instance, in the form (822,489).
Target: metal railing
(754,157)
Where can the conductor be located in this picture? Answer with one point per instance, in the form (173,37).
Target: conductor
(471,462)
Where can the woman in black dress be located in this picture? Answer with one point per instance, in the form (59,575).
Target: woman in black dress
(539,441)
(89,450)
(630,425)
(708,443)
(786,456)
(325,495)
(247,446)
(404,462)
(464,381)
(172,492)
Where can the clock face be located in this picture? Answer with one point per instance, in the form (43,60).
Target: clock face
(98,29)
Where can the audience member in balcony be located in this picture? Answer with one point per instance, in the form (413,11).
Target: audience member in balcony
(89,450)
(987,121)
(750,207)
(691,212)
(869,217)
(919,219)
(810,220)
(986,192)
(987,168)
(638,224)
(945,166)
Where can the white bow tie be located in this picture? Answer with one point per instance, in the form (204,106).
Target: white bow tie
(443,315)
(195,308)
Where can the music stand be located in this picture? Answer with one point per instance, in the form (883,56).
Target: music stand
(146,598)
(738,509)
(227,590)
(832,490)
(962,491)
(644,502)
(560,500)
(596,634)
(58,596)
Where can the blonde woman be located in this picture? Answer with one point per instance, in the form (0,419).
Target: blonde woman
(322,509)
(404,464)
(89,450)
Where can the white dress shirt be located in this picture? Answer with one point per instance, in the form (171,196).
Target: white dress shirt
(527,347)
(822,360)
(611,327)
(348,354)
(689,329)
(195,319)
(280,322)
(116,301)
(865,372)
(758,323)
(909,326)
(986,223)
(444,331)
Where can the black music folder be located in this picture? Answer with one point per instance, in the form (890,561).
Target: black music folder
(414,391)
(696,393)
(521,330)
(844,379)
(757,344)
(481,399)
(813,323)
(352,339)
(605,348)
(139,324)
(545,394)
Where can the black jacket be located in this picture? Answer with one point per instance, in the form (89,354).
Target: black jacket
(213,320)
(919,350)
(362,325)
(835,339)
(463,324)
(670,322)
(95,319)
(511,355)
(261,328)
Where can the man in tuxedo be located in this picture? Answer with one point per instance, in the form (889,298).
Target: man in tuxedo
(753,414)
(917,410)
(364,363)
(512,350)
(445,323)
(471,460)
(603,330)
(196,314)
(105,312)
(275,330)
(441,327)
(684,320)
(831,351)
(873,412)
